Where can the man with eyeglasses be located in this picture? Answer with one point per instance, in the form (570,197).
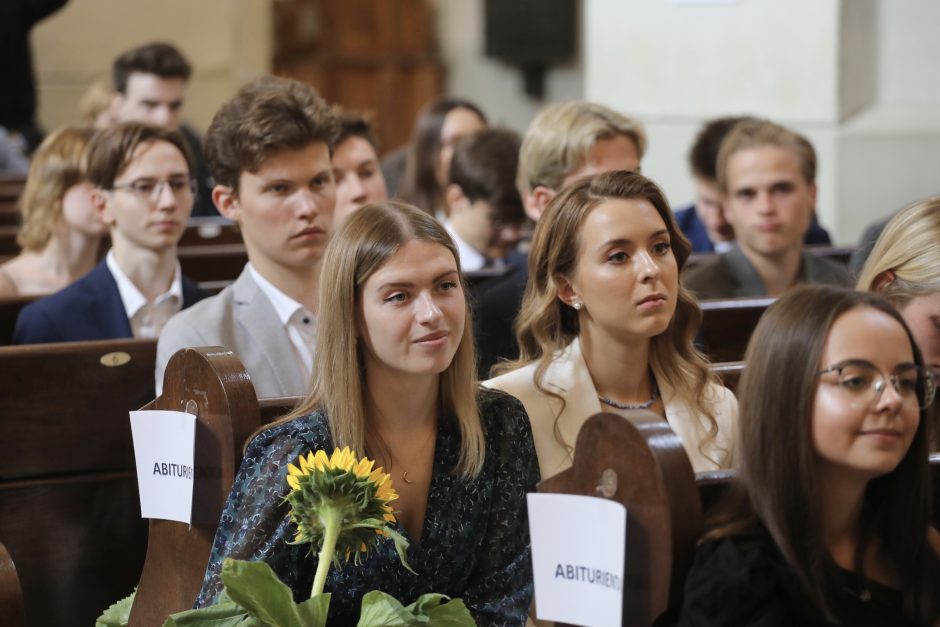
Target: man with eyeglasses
(144,193)
(150,86)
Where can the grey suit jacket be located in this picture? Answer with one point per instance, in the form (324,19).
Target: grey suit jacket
(731,275)
(241,319)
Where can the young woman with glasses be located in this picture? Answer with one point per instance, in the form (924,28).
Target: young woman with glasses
(829,523)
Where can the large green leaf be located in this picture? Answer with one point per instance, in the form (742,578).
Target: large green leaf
(451,614)
(255,587)
(313,611)
(118,614)
(382,610)
(225,614)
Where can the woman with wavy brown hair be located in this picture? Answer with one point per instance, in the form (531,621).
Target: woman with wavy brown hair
(606,325)
(60,233)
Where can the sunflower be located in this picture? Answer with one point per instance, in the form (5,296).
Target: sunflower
(340,504)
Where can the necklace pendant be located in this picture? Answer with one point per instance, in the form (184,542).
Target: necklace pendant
(404,477)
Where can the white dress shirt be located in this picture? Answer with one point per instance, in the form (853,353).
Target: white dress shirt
(470,258)
(146,318)
(298,321)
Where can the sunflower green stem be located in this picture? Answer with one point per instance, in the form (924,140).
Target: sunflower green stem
(332,519)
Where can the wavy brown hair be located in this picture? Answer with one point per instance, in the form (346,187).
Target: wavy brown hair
(546,325)
(362,245)
(58,164)
(778,492)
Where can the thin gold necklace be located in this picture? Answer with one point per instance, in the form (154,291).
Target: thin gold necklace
(391,457)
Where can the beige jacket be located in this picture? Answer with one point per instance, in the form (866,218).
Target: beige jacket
(568,375)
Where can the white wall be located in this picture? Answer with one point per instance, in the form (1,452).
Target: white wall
(227,42)
(858,77)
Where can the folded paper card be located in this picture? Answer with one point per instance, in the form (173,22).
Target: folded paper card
(164,447)
(578,558)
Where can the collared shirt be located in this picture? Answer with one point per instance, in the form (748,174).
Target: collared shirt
(146,318)
(298,321)
(470,258)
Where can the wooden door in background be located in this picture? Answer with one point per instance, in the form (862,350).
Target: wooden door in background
(379,57)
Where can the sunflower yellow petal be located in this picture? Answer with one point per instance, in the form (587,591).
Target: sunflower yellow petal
(321,461)
(364,468)
(294,470)
(304,465)
(292,482)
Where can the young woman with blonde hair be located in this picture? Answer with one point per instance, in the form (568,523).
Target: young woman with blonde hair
(394,379)
(605,324)
(904,268)
(60,233)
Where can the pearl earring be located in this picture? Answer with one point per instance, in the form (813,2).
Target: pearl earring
(577,305)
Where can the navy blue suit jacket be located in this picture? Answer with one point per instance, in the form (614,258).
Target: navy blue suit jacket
(88,309)
(692,228)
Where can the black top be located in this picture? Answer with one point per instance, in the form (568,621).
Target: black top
(475,542)
(738,583)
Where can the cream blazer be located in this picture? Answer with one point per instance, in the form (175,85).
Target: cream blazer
(568,375)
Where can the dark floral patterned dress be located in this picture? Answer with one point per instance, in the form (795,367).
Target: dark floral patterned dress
(475,542)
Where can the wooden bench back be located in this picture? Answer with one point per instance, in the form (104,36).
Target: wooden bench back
(69,510)
(12,610)
(212,384)
(727,326)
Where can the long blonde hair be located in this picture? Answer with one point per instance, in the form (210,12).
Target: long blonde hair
(58,164)
(545,325)
(365,242)
(909,247)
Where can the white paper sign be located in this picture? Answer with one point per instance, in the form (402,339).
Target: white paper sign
(577,558)
(164,447)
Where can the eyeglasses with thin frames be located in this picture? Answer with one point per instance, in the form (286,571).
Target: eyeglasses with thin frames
(149,190)
(863,384)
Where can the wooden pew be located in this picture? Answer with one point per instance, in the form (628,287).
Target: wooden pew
(12,610)
(729,372)
(11,186)
(641,463)
(727,326)
(9,310)
(8,245)
(212,384)
(213,262)
(69,510)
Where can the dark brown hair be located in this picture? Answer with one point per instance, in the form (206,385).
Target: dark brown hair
(484,167)
(703,156)
(111,149)
(419,184)
(265,116)
(778,492)
(354,124)
(158,58)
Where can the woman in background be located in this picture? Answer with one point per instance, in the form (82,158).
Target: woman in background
(438,128)
(904,268)
(830,522)
(60,232)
